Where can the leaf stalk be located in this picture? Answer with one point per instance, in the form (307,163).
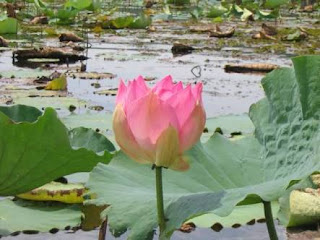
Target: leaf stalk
(269,220)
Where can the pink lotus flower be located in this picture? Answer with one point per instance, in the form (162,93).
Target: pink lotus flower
(157,125)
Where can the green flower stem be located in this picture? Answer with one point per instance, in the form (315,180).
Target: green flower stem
(269,220)
(161,218)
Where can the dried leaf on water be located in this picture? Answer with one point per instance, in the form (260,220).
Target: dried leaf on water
(54,191)
(40,20)
(218,33)
(251,67)
(269,30)
(66,37)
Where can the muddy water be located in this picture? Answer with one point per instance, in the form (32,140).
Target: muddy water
(133,53)
(255,232)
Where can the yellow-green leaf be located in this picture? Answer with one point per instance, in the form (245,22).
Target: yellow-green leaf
(59,83)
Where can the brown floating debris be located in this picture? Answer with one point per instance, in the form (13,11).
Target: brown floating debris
(3,42)
(107,92)
(181,49)
(63,54)
(40,20)
(269,30)
(91,75)
(263,35)
(11,13)
(308,8)
(96,108)
(266,32)
(45,79)
(251,67)
(149,4)
(187,227)
(67,37)
(151,29)
(222,34)
(149,79)
(75,46)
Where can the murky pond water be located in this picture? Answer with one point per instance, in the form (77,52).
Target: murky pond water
(257,231)
(133,53)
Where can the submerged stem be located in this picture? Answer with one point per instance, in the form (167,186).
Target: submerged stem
(269,220)
(161,218)
(103,230)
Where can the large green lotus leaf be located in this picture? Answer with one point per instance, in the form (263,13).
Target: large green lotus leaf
(224,173)
(217,180)
(36,216)
(21,113)
(287,121)
(33,154)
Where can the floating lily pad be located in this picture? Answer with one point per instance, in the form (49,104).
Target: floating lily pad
(36,216)
(55,191)
(241,215)
(44,99)
(25,73)
(101,121)
(229,125)
(216,11)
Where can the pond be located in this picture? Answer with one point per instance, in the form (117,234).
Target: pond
(114,54)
